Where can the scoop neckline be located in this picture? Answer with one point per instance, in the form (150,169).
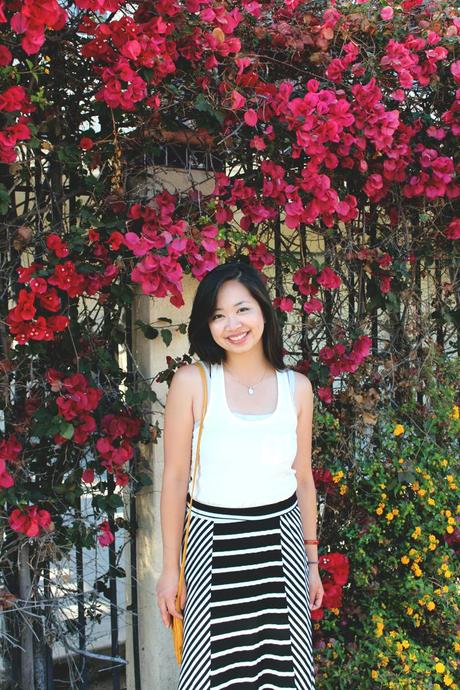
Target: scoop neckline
(269,416)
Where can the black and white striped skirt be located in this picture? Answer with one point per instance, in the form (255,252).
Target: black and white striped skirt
(247,622)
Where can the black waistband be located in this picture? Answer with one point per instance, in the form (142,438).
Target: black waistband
(251,510)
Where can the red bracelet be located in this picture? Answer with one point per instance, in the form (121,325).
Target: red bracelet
(311,541)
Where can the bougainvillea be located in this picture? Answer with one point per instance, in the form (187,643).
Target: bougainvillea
(325,138)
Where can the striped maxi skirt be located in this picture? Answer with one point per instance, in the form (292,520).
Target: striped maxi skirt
(247,623)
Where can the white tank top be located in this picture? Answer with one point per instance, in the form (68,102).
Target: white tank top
(245,460)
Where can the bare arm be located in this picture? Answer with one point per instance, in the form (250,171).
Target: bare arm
(306,490)
(178,430)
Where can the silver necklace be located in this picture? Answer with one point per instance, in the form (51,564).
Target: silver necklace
(251,387)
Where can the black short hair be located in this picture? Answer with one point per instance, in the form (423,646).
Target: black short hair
(201,341)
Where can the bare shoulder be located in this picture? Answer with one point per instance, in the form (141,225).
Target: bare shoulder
(303,382)
(303,391)
(187,375)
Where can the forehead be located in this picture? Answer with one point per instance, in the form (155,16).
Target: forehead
(231,292)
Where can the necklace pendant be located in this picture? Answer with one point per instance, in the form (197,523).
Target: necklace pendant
(250,390)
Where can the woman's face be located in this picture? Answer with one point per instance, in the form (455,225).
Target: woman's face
(237,323)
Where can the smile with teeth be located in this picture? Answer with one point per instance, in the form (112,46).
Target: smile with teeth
(237,338)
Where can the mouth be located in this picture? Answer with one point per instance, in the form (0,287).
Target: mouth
(236,339)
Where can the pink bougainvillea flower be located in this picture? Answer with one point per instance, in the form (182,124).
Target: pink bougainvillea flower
(107,536)
(313,305)
(329,279)
(455,69)
(250,117)
(386,13)
(453,230)
(285,304)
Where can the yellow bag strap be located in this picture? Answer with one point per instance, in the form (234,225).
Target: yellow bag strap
(197,460)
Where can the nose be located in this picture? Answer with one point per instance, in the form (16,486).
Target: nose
(232,322)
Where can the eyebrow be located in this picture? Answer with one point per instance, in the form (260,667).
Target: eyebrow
(244,301)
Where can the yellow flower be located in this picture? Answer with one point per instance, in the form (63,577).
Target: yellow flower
(343,489)
(374,674)
(409,611)
(398,430)
(389,516)
(404,560)
(455,412)
(431,605)
(379,510)
(448,680)
(440,668)
(337,476)
(449,529)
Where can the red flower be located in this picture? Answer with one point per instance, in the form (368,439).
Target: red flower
(285,304)
(107,536)
(56,245)
(88,475)
(50,300)
(328,279)
(86,143)
(14,98)
(5,56)
(58,323)
(25,309)
(66,278)
(29,521)
(6,480)
(338,565)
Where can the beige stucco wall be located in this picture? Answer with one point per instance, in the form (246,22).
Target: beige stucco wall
(159,669)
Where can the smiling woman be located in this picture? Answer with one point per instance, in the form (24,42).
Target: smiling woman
(250,580)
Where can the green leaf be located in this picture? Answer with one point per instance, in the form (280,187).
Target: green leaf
(114,501)
(149,331)
(167,336)
(4,200)
(67,430)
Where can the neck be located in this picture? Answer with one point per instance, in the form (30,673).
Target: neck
(248,364)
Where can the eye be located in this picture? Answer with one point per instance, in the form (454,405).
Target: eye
(243,309)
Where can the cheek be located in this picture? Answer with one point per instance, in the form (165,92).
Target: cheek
(215,329)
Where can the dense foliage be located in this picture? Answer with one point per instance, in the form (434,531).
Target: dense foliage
(328,133)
